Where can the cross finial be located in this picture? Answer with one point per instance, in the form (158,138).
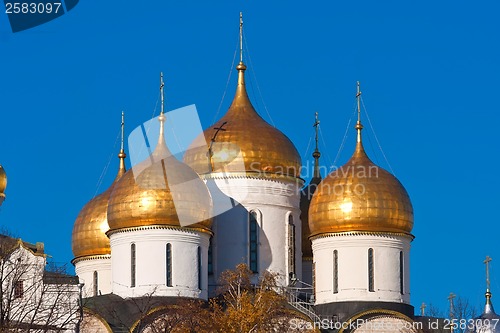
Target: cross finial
(123,132)
(422,309)
(161,93)
(358,96)
(315,125)
(487,264)
(316,153)
(241,36)
(210,148)
(450,299)
(121,154)
(358,126)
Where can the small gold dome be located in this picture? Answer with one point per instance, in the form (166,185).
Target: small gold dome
(3,179)
(145,195)
(89,231)
(360,196)
(245,143)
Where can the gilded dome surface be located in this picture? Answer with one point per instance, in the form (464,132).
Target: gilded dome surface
(89,231)
(360,196)
(3,179)
(246,142)
(160,191)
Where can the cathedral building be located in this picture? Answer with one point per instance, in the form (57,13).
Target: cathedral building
(346,236)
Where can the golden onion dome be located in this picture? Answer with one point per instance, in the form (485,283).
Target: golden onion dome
(89,231)
(3,183)
(160,191)
(241,141)
(360,196)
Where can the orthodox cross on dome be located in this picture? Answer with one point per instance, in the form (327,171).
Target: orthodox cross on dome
(212,140)
(161,147)
(217,130)
(450,299)
(315,125)
(487,264)
(122,145)
(422,309)
(162,84)
(358,126)
(241,36)
(121,154)
(316,153)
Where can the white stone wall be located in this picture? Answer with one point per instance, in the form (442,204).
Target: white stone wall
(151,261)
(85,269)
(353,267)
(48,304)
(274,201)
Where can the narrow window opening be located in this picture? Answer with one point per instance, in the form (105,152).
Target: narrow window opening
(335,272)
(169,265)
(198,254)
(371,286)
(401,273)
(96,283)
(253,245)
(132,265)
(291,247)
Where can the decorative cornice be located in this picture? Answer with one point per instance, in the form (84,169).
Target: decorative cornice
(159,226)
(91,257)
(253,175)
(362,233)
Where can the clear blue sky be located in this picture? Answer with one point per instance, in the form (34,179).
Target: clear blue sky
(429,72)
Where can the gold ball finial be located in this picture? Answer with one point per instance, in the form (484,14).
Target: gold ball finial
(241,66)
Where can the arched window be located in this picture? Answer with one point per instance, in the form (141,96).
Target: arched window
(335,271)
(96,283)
(132,265)
(198,258)
(168,273)
(253,241)
(371,286)
(401,273)
(291,247)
